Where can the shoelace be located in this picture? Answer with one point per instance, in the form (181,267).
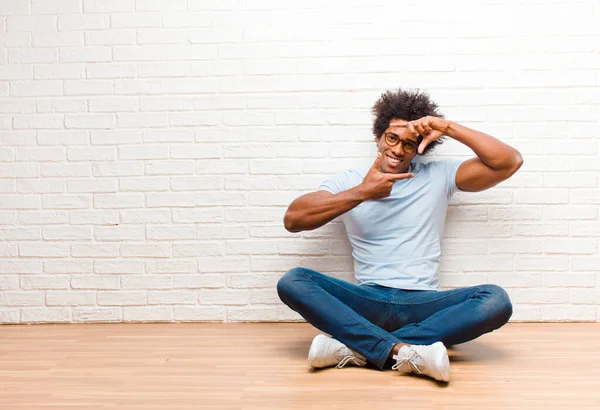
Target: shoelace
(414,360)
(349,357)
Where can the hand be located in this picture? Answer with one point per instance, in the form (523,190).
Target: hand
(377,184)
(431,128)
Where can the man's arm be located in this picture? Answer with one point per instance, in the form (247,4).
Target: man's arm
(315,209)
(495,161)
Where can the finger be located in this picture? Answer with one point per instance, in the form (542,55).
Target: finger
(411,128)
(420,129)
(427,126)
(423,145)
(398,177)
(377,164)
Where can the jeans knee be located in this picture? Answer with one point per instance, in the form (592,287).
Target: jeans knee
(497,304)
(286,285)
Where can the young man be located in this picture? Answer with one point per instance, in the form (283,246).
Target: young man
(394,215)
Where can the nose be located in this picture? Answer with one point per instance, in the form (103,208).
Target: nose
(398,149)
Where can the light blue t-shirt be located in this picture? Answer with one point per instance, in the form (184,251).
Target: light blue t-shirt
(396,240)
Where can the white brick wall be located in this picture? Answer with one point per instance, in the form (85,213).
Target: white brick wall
(149,148)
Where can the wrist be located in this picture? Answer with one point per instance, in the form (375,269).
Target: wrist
(451,129)
(359,193)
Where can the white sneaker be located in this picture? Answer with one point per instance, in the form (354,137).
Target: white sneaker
(431,360)
(326,351)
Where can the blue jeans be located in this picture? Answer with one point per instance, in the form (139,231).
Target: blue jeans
(371,319)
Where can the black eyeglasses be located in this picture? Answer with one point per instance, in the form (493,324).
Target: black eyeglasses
(408,146)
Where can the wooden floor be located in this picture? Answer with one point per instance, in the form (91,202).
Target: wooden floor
(263,366)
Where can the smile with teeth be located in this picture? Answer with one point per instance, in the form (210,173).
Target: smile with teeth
(393,161)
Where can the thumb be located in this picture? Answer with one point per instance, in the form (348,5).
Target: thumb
(377,163)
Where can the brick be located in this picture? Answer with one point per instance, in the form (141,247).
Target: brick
(95,282)
(109,37)
(95,217)
(97,314)
(62,105)
(66,170)
(70,298)
(118,201)
(146,282)
(118,267)
(196,183)
(571,245)
(9,282)
(43,250)
(40,154)
(32,55)
(252,313)
(136,20)
(114,104)
(160,5)
(143,216)
(116,137)
(39,121)
(121,298)
(155,200)
(198,215)
(171,266)
(62,233)
(172,297)
(82,22)
(57,39)
(65,201)
(56,6)
(108,6)
(119,233)
(198,249)
(204,281)
(146,250)
(144,184)
(45,315)
(147,314)
(110,70)
(224,297)
(226,264)
(21,234)
(27,298)
(68,266)
(171,232)
(199,313)
(86,54)
(9,316)
(96,185)
(20,267)
(62,137)
(95,250)
(30,23)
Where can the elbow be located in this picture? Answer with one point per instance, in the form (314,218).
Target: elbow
(289,223)
(517,162)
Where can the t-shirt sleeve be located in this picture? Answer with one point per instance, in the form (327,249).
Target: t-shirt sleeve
(338,183)
(449,168)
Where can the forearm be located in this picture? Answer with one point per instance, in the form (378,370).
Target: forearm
(492,152)
(313,210)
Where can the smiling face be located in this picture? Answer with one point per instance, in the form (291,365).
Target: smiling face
(398,146)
